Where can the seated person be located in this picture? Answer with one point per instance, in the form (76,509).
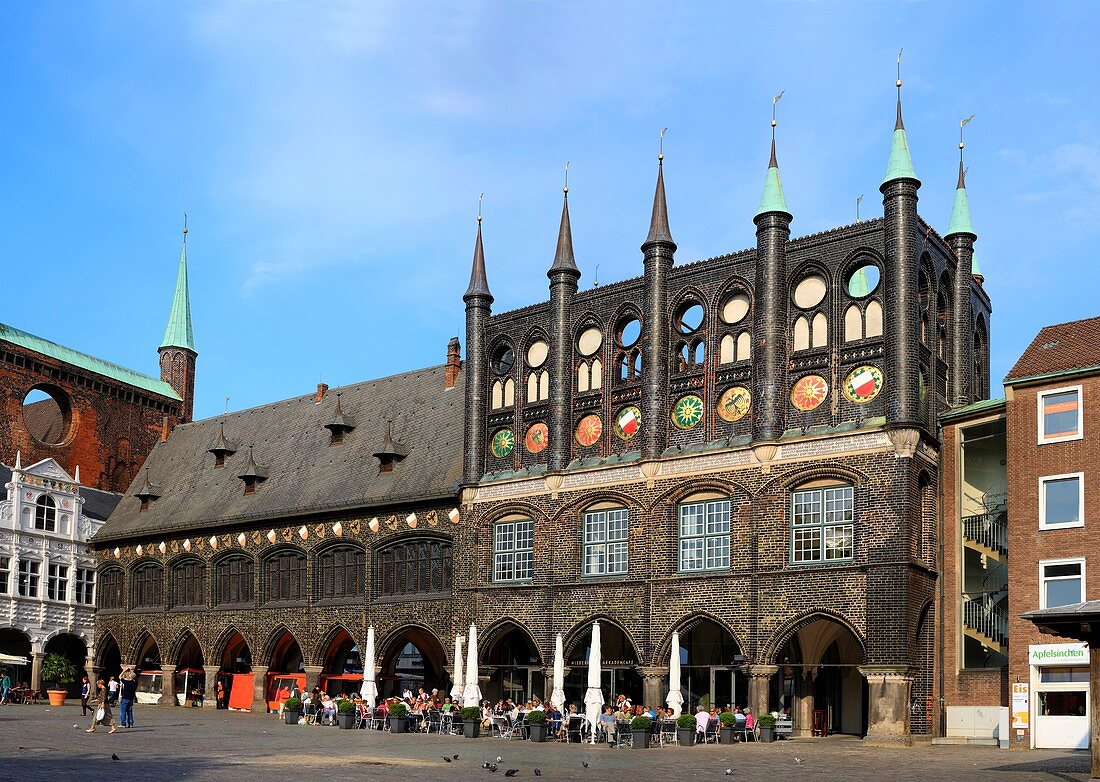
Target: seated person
(607,722)
(702,719)
(750,721)
(553,715)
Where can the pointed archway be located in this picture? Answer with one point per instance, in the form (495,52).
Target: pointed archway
(108,658)
(190,676)
(342,665)
(413,659)
(514,665)
(234,688)
(73,649)
(618,661)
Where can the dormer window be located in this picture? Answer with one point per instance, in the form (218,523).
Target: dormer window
(391,452)
(148,493)
(252,475)
(222,448)
(340,424)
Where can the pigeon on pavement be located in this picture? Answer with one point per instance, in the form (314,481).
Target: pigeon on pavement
(511,772)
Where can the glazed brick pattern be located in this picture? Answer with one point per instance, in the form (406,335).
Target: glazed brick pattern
(114,426)
(1027,544)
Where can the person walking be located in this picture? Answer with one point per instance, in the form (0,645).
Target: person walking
(112,690)
(85,694)
(128,692)
(102,715)
(5,687)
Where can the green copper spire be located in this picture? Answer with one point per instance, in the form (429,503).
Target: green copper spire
(772,199)
(179,334)
(857,286)
(975,270)
(960,211)
(900,164)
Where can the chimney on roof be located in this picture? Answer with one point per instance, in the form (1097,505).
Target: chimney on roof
(165,429)
(322,389)
(454,363)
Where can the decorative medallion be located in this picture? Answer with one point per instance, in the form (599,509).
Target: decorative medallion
(809,392)
(537,438)
(589,430)
(734,403)
(863,384)
(627,422)
(502,443)
(688,411)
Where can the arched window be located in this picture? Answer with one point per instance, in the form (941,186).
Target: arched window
(853,324)
(497,395)
(822,520)
(285,577)
(981,361)
(188,584)
(801,333)
(538,386)
(727,350)
(820,331)
(148,581)
(744,346)
(234,581)
(420,566)
(704,532)
(943,307)
(109,594)
(629,365)
(45,514)
(341,572)
(873,319)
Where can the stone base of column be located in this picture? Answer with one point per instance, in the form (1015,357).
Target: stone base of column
(313,676)
(654,686)
(259,690)
(888,692)
(210,698)
(168,686)
(760,679)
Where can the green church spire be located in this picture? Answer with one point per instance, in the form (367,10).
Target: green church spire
(960,210)
(900,164)
(772,199)
(178,334)
(975,270)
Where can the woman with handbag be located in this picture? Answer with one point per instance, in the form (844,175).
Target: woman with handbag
(102,715)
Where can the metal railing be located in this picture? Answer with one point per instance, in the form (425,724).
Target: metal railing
(986,618)
(989,530)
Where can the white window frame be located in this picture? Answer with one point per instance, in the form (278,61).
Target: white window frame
(1043,439)
(598,545)
(85,584)
(822,526)
(506,559)
(5,575)
(1080,476)
(34,578)
(57,584)
(709,547)
(1043,563)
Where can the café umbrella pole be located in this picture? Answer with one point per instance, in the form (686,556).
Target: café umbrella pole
(369,690)
(593,696)
(557,697)
(675,699)
(471,695)
(458,686)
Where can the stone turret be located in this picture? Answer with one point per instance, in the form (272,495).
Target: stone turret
(658,252)
(479,303)
(961,237)
(564,276)
(177,349)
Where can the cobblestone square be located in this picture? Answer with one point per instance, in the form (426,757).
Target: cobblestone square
(39,743)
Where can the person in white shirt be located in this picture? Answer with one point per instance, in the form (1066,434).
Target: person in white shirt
(112,691)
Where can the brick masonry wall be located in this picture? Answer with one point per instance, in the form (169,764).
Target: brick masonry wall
(1027,544)
(114,426)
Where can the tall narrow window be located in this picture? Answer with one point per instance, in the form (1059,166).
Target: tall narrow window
(1061,582)
(57,582)
(189,584)
(606,534)
(45,514)
(421,566)
(341,572)
(822,524)
(286,577)
(28,578)
(514,550)
(5,575)
(234,582)
(110,589)
(705,535)
(148,586)
(85,586)
(1060,415)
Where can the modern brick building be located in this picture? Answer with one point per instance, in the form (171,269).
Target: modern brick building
(742,450)
(1020,495)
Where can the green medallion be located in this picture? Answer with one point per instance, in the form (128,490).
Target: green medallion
(502,443)
(688,412)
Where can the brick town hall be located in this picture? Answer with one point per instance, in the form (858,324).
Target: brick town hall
(741,449)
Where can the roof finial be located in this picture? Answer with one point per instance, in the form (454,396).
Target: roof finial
(185,227)
(773,163)
(661,145)
(566,188)
(480,198)
(900,164)
(960,210)
(962,169)
(859,200)
(479,283)
(772,200)
(899,125)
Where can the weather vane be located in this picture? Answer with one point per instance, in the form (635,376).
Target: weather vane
(661,144)
(775,101)
(963,124)
(227,398)
(859,200)
(899,72)
(185,226)
(480,198)
(566,188)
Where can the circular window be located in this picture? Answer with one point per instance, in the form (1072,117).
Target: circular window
(590,341)
(736,308)
(503,359)
(690,318)
(47,414)
(628,331)
(863,281)
(810,291)
(537,353)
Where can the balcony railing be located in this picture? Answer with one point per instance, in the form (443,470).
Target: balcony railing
(989,530)
(986,618)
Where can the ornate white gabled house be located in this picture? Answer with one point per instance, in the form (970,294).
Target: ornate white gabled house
(47,568)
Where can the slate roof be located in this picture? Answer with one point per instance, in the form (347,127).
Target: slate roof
(98,504)
(306,475)
(1059,349)
(84,361)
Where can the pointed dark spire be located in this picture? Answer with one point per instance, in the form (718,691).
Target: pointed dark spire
(658,222)
(962,177)
(773,162)
(563,256)
(222,447)
(898,124)
(391,451)
(340,424)
(252,473)
(479,283)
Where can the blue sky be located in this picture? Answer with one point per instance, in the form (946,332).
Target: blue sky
(330,156)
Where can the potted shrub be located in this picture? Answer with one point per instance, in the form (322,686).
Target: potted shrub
(56,668)
(345,714)
(729,724)
(766,723)
(399,714)
(292,710)
(640,727)
(536,721)
(685,730)
(471,722)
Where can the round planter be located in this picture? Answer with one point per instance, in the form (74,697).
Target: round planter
(685,737)
(346,721)
(767,734)
(57,697)
(291,717)
(399,724)
(640,739)
(471,729)
(725,735)
(538,732)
